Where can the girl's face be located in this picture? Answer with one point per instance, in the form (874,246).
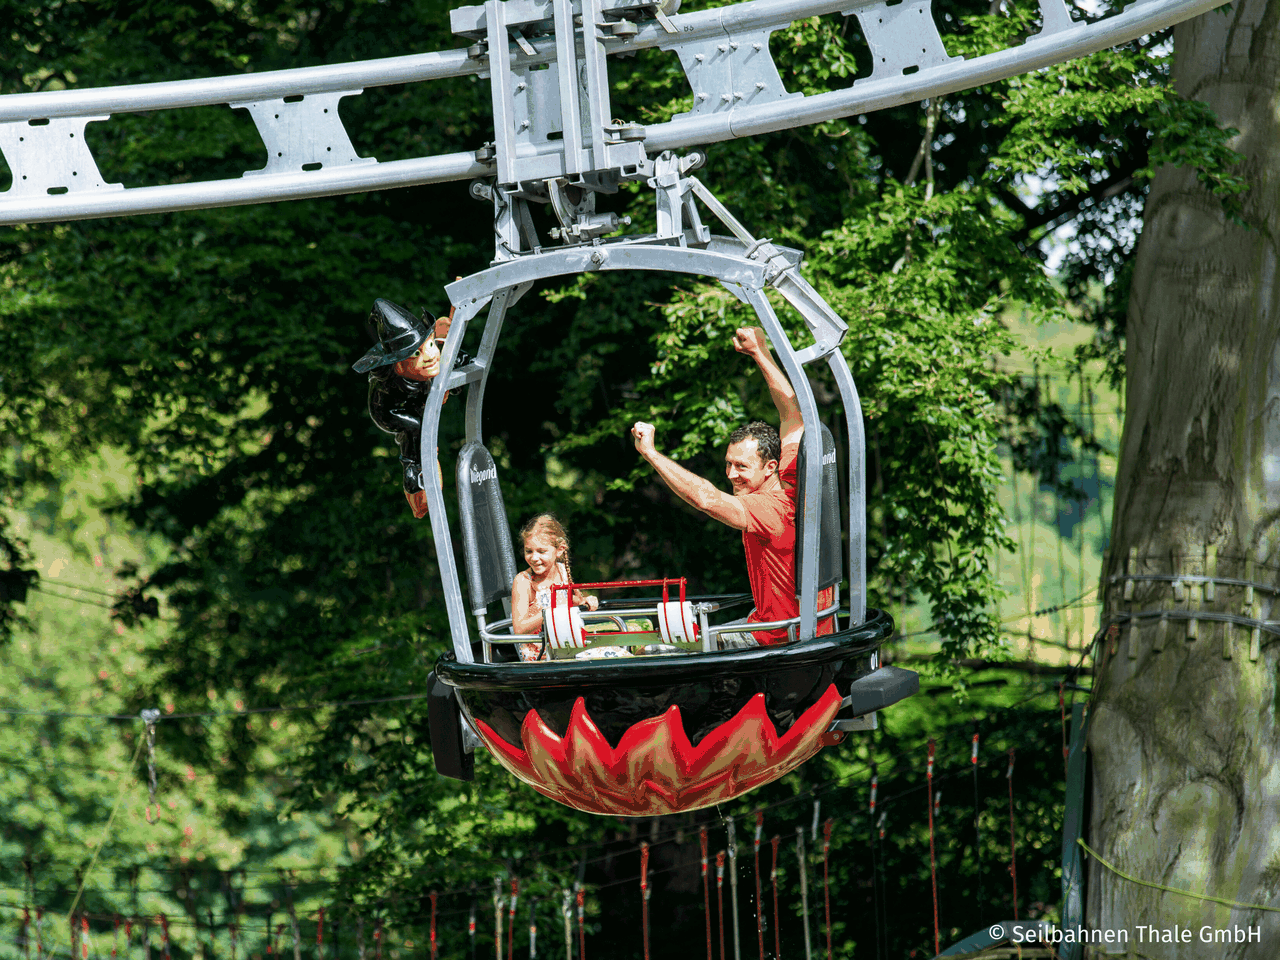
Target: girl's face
(541,554)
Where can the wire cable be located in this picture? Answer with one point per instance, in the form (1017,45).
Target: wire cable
(106,830)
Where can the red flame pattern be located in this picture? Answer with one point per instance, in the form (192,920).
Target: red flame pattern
(655,770)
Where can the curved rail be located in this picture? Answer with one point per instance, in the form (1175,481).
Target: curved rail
(56,177)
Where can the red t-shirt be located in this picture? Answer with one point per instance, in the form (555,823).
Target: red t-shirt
(769,542)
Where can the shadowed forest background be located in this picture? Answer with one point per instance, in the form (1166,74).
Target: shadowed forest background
(198,516)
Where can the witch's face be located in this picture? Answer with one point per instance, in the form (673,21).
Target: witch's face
(423,365)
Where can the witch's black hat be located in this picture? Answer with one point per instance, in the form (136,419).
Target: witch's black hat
(399,334)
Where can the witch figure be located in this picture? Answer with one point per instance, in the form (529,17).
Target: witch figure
(401,365)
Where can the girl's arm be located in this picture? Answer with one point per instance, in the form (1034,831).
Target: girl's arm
(522,620)
(591,601)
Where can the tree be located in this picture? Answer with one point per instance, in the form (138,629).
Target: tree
(1183,740)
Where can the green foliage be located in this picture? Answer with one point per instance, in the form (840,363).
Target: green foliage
(1074,120)
(212,349)
(79,825)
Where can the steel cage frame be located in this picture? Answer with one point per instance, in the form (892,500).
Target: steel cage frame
(502,285)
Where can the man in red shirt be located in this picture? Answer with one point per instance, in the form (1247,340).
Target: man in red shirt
(761,466)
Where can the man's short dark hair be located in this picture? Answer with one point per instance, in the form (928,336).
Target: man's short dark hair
(768,443)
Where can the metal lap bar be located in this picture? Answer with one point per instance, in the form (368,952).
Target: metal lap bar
(753,626)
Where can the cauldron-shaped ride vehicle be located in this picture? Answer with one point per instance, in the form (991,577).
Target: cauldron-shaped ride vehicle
(694,724)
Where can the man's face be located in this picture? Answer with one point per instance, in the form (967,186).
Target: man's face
(423,365)
(744,467)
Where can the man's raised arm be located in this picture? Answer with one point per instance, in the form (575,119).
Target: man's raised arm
(752,342)
(694,490)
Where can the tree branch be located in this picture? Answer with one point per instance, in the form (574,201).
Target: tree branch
(1113,186)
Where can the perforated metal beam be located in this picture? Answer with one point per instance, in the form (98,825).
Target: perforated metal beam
(63,183)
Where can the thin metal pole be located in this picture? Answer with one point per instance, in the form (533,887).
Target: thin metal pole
(977,816)
(568,927)
(804,890)
(759,910)
(733,888)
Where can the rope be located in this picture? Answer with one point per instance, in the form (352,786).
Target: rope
(377,939)
(759,914)
(1013,839)
(933,862)
(433,926)
(644,896)
(826,879)
(706,888)
(1182,893)
(720,898)
(773,879)
(320,934)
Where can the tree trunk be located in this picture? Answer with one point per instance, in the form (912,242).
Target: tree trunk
(1186,759)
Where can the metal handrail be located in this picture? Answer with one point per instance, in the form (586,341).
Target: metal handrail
(489,634)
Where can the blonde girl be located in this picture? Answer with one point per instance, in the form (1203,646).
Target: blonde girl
(546,551)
